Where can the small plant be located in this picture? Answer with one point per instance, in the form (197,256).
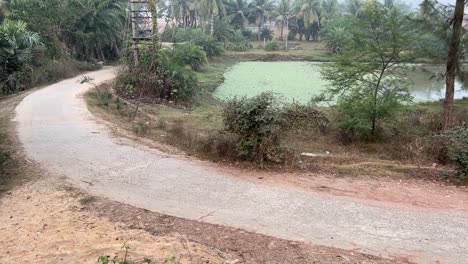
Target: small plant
(238,43)
(272,46)
(458,151)
(192,55)
(116,259)
(266,33)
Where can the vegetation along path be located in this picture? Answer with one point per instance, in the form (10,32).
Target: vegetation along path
(57,131)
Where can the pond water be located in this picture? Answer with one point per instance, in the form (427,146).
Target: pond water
(301,80)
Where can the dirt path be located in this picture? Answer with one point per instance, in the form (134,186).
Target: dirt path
(42,222)
(57,131)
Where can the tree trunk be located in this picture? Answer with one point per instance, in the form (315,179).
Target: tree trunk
(282,26)
(452,61)
(212,25)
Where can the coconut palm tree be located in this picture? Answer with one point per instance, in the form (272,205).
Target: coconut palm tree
(354,7)
(237,12)
(329,11)
(209,9)
(260,10)
(310,16)
(282,14)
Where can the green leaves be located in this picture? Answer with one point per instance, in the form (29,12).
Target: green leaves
(368,77)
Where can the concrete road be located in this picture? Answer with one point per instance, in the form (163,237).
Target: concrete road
(57,131)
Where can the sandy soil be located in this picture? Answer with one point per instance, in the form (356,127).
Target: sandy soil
(43,223)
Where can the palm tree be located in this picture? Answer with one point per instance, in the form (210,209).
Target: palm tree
(329,11)
(309,13)
(16,45)
(3,10)
(237,12)
(209,9)
(260,10)
(98,28)
(282,13)
(354,7)
(223,31)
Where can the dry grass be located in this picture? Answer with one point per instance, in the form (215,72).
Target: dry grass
(13,166)
(297,50)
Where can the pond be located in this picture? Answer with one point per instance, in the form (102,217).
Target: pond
(301,80)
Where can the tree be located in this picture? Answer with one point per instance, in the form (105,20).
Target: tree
(282,14)
(3,10)
(354,7)
(329,11)
(452,61)
(209,9)
(445,23)
(16,44)
(237,13)
(260,10)
(96,28)
(368,78)
(309,14)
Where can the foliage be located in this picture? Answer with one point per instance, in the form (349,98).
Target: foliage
(168,34)
(200,38)
(16,46)
(87,29)
(458,151)
(266,33)
(223,31)
(191,54)
(170,80)
(336,39)
(238,43)
(261,122)
(368,78)
(272,46)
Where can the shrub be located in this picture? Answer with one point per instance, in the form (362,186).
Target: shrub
(190,35)
(248,34)
(261,122)
(191,54)
(266,33)
(238,43)
(211,47)
(200,38)
(272,46)
(170,80)
(457,140)
(168,34)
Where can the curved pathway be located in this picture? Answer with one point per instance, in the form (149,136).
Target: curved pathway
(57,130)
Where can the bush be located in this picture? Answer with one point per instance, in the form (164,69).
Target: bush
(266,33)
(191,54)
(170,80)
(211,47)
(261,122)
(238,43)
(457,140)
(200,38)
(190,35)
(272,46)
(168,34)
(248,34)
